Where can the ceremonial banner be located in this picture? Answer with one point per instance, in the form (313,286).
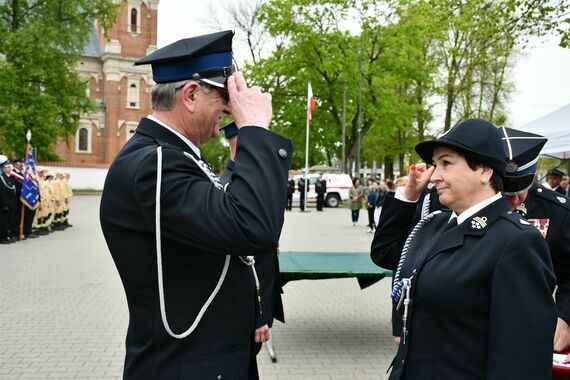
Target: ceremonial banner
(30,192)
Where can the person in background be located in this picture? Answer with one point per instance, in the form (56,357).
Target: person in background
(554,179)
(301,188)
(321,190)
(290,191)
(355,194)
(371,199)
(449,293)
(564,184)
(8,201)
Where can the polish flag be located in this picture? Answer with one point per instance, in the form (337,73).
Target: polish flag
(310,102)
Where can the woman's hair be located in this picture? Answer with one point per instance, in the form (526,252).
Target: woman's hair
(496,181)
(354,181)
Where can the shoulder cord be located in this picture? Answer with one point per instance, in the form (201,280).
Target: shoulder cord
(398,284)
(159,263)
(425,205)
(12,187)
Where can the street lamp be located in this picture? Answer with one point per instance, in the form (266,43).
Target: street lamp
(359,128)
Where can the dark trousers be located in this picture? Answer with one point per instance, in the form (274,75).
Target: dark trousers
(28,220)
(320,202)
(371,217)
(302,200)
(289,204)
(6,221)
(355,214)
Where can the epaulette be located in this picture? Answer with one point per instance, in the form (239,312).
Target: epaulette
(551,196)
(517,220)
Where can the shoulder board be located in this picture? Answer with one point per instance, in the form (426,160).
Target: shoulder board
(551,196)
(517,220)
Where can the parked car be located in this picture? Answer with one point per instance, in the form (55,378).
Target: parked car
(338,186)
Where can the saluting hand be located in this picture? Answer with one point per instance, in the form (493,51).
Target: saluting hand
(248,105)
(417,181)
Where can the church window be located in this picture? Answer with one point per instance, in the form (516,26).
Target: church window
(134,16)
(133,95)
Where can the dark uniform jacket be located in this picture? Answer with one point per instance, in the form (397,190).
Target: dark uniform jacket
(481,298)
(267,267)
(550,213)
(200,224)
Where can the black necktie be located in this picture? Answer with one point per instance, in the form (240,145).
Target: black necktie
(452,223)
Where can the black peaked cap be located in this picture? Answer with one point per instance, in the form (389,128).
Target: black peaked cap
(475,138)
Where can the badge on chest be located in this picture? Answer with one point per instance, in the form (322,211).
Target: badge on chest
(541,225)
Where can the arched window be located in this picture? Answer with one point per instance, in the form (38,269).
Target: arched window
(133,95)
(133,20)
(83,145)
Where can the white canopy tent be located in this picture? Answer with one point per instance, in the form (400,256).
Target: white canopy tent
(556,127)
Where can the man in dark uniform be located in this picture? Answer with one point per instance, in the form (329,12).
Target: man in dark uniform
(18,176)
(321,190)
(8,201)
(184,259)
(554,178)
(290,191)
(301,186)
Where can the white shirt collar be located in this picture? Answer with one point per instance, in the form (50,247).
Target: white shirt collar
(474,209)
(182,137)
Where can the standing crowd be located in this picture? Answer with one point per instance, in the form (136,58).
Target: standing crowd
(19,221)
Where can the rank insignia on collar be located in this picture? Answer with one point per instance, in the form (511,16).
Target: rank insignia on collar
(525,222)
(561,199)
(521,209)
(478,222)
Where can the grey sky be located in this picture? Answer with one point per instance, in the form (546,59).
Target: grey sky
(541,75)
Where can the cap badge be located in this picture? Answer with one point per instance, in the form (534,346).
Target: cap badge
(511,167)
(561,199)
(478,222)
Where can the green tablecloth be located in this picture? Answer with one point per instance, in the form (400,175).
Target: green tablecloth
(326,265)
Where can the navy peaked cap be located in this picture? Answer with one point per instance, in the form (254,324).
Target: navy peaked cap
(476,138)
(207,58)
(521,151)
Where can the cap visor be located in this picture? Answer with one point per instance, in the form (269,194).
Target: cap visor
(220,82)
(516,185)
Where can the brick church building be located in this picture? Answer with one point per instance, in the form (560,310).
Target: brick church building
(120,90)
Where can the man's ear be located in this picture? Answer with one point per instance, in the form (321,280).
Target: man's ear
(189,94)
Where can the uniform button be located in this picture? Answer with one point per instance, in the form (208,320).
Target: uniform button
(539,190)
(282,153)
(220,377)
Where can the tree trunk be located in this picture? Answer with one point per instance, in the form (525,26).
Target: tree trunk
(388,168)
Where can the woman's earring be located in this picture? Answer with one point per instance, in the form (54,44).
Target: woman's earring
(485,182)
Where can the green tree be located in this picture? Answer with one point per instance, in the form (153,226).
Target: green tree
(40,43)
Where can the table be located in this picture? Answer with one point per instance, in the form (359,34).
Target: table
(327,265)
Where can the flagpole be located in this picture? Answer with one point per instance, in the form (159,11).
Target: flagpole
(306,163)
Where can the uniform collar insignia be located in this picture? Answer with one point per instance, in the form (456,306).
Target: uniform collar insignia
(525,222)
(479,223)
(561,199)
(521,209)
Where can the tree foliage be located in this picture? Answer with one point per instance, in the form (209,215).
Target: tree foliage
(40,43)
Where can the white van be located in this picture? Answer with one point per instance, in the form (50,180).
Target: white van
(338,186)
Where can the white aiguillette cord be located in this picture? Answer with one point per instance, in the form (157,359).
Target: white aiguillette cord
(159,263)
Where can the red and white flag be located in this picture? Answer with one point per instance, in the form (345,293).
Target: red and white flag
(310,102)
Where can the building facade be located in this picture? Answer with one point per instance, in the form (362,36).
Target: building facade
(120,90)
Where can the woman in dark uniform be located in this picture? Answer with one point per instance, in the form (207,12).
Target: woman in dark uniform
(475,283)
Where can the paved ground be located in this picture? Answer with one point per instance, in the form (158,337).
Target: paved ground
(63,312)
